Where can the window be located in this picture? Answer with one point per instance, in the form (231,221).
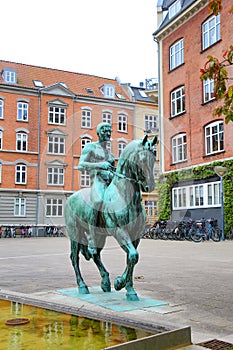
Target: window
(177,101)
(55,176)
(210,31)
(21,142)
(214,137)
(9,75)
(121,147)
(57,115)
(85,179)
(108,90)
(86,118)
(1,109)
(179,148)
(20,207)
(56,145)
(1,139)
(20,174)
(54,207)
(122,123)
(150,123)
(107,117)
(174,8)
(208,90)
(151,209)
(196,196)
(177,54)
(22,111)
(84,142)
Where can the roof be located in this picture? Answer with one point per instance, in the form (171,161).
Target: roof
(165,6)
(140,95)
(78,83)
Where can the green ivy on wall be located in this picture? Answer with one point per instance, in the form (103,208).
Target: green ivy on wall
(200,172)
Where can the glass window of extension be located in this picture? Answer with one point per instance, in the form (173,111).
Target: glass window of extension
(214,137)
(21,142)
(56,145)
(55,176)
(1,109)
(20,207)
(177,54)
(179,197)
(86,118)
(54,207)
(85,179)
(177,101)
(107,117)
(57,115)
(84,142)
(150,122)
(210,31)
(179,148)
(122,123)
(22,111)
(121,147)
(208,90)
(20,174)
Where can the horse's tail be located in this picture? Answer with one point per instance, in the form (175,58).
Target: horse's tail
(75,231)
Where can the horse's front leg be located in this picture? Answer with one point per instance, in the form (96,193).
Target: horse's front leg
(126,279)
(74,256)
(105,283)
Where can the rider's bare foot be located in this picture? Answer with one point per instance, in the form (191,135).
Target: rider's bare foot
(92,251)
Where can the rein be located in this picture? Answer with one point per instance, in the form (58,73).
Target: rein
(125,177)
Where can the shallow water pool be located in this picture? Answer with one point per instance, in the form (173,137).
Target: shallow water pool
(50,330)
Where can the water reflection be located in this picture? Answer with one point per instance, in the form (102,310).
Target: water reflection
(50,330)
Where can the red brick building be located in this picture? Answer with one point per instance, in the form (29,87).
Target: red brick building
(46,118)
(190,135)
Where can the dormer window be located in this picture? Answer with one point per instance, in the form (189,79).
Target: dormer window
(174,8)
(108,90)
(9,75)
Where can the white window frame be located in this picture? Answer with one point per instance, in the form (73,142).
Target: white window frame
(204,195)
(177,54)
(177,101)
(1,139)
(84,142)
(21,142)
(85,180)
(56,114)
(120,148)
(20,207)
(174,8)
(213,139)
(150,122)
(21,174)
(1,108)
(210,31)
(151,209)
(108,90)
(56,144)
(55,176)
(22,111)
(208,90)
(122,123)
(0,172)
(179,148)
(9,76)
(107,117)
(86,118)
(54,207)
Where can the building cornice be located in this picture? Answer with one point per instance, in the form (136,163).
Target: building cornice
(179,20)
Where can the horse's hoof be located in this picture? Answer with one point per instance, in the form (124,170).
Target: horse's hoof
(119,283)
(132,296)
(83,290)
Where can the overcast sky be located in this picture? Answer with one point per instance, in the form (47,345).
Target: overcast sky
(101,37)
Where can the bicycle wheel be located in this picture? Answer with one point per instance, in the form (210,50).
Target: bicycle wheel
(196,236)
(216,234)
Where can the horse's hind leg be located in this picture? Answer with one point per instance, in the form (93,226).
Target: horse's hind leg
(74,256)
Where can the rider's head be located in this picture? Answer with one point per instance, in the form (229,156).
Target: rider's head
(103,131)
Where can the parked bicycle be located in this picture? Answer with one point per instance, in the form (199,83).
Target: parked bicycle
(203,230)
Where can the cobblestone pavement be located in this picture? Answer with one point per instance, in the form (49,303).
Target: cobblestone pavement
(196,280)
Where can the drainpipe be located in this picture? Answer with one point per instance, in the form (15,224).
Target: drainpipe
(38,167)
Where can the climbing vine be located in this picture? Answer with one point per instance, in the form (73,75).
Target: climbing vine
(200,172)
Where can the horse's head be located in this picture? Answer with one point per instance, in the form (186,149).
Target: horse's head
(139,157)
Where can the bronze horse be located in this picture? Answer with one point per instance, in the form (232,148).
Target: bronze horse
(122,215)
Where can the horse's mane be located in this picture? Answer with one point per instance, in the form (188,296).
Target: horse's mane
(126,154)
